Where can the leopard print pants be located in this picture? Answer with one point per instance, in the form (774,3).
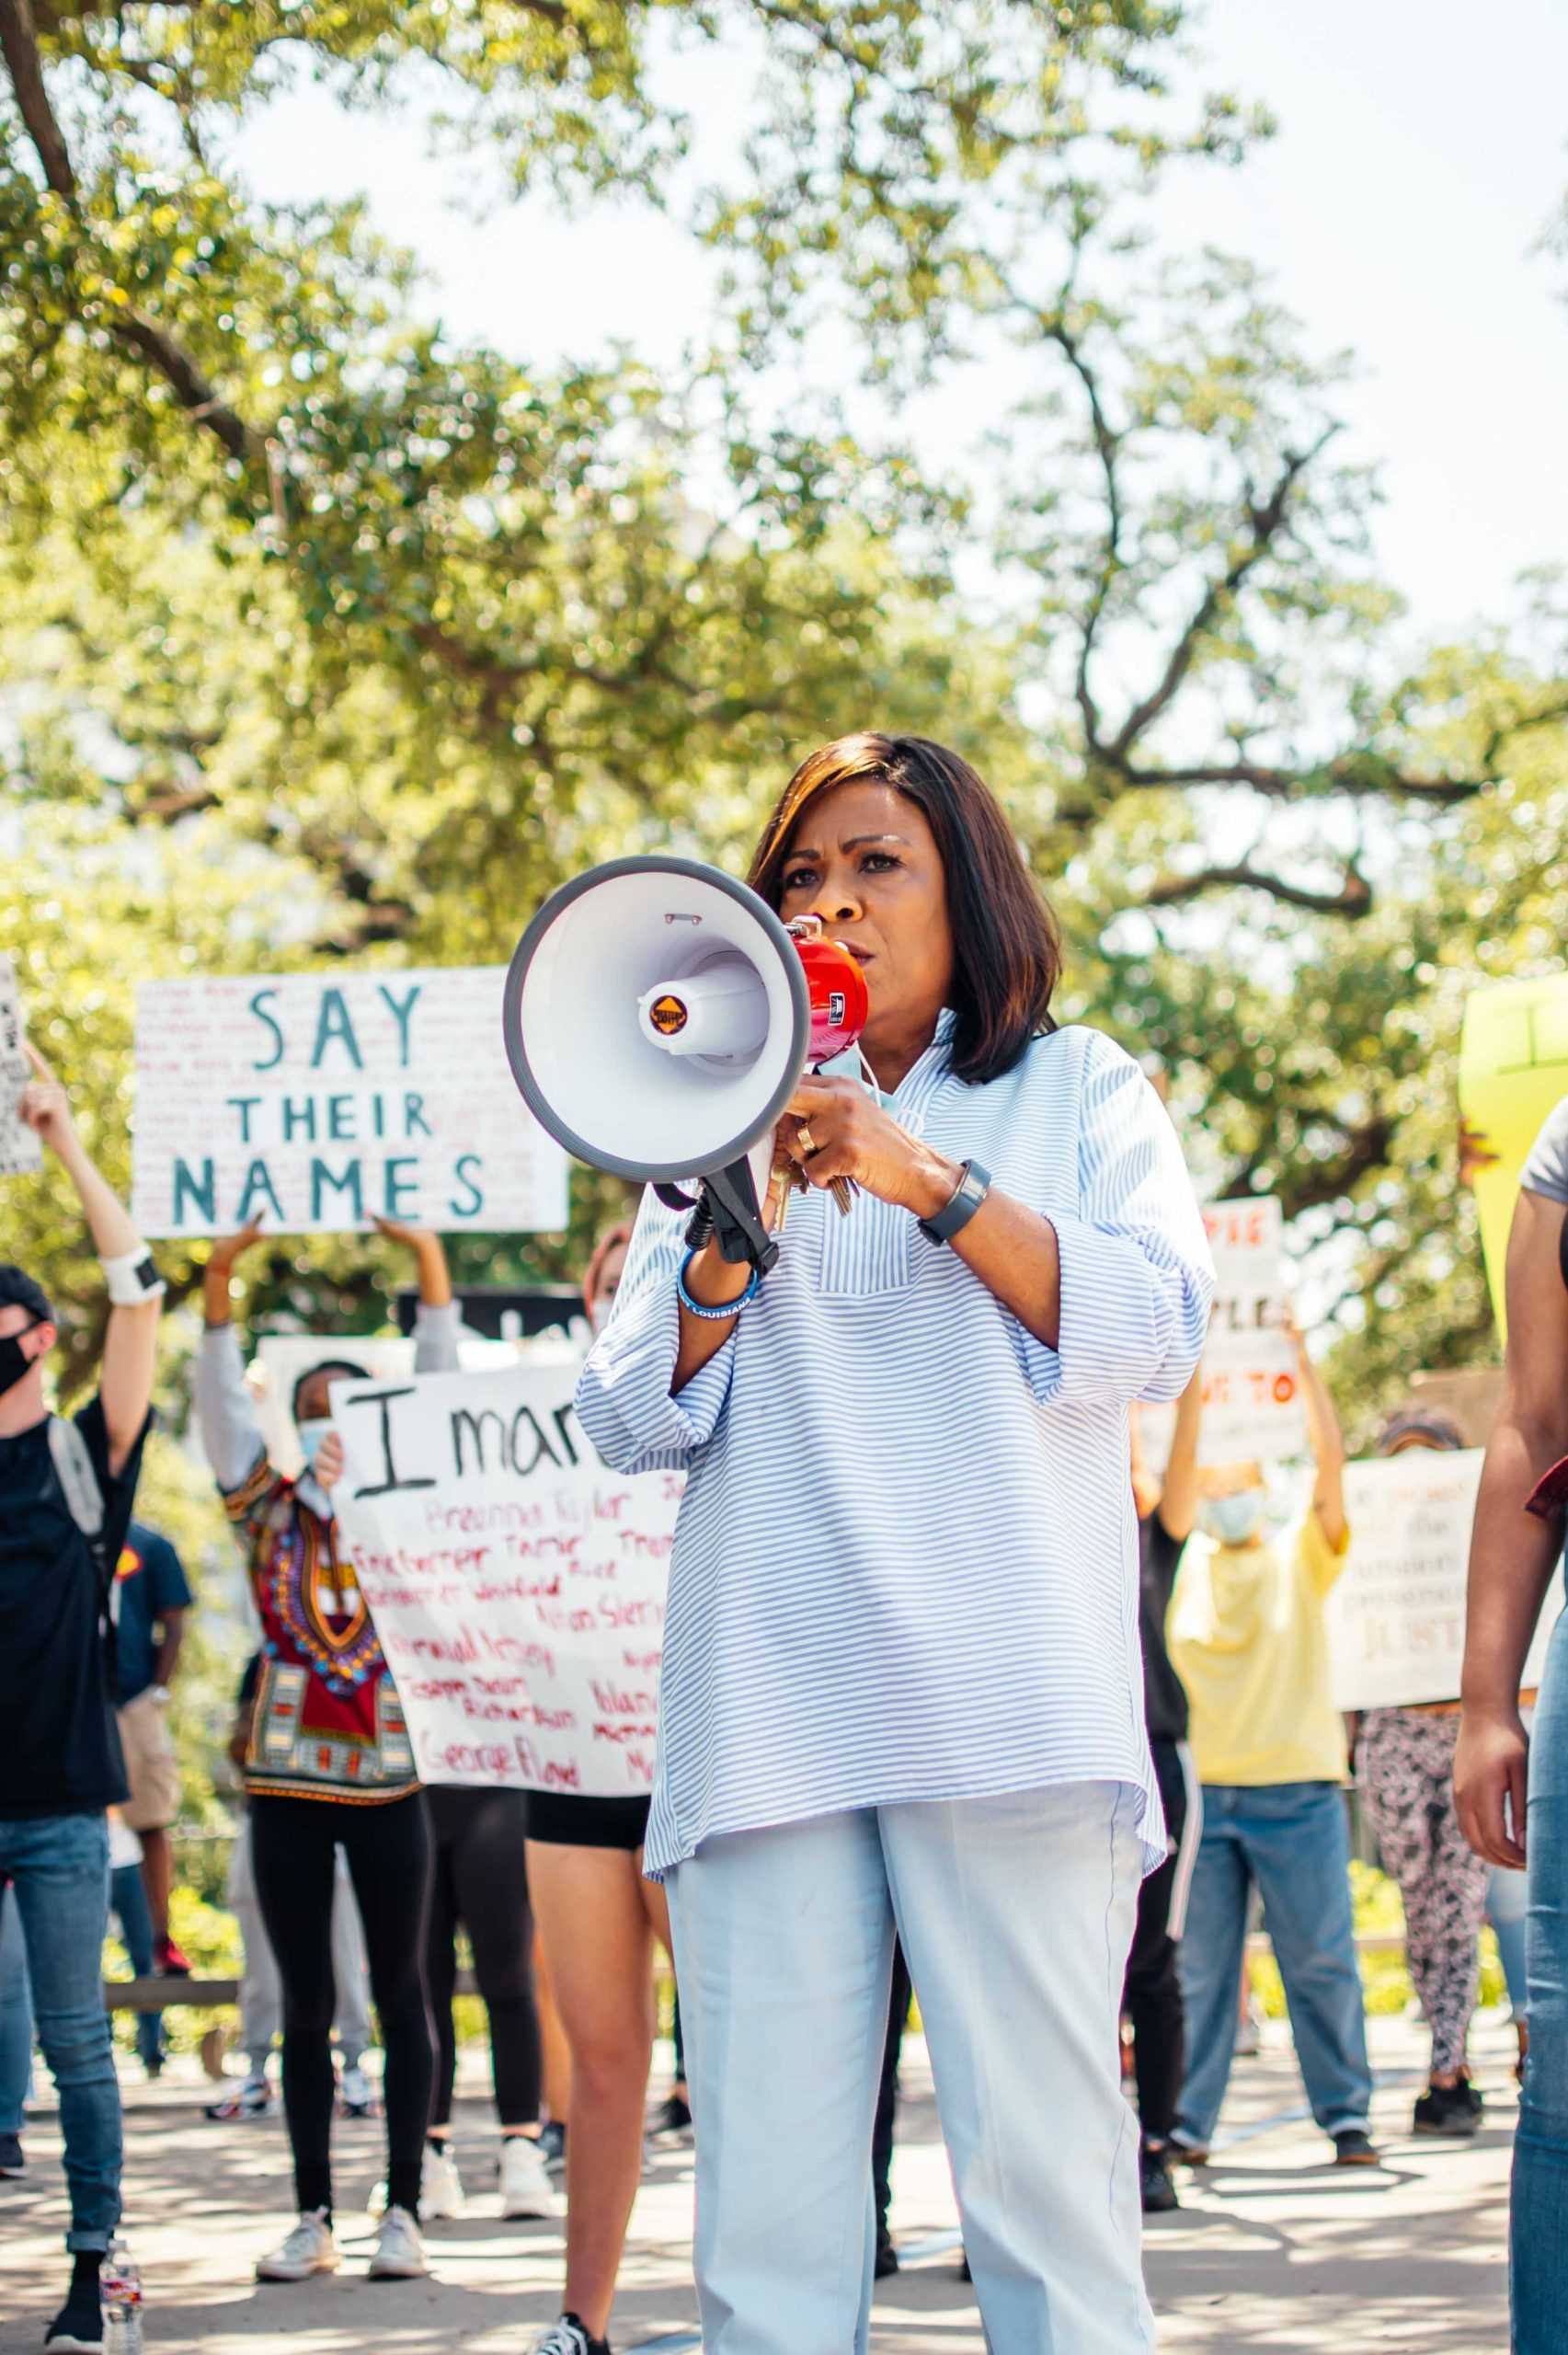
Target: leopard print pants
(1404,1764)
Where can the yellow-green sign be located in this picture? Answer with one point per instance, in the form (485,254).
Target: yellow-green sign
(1513,1069)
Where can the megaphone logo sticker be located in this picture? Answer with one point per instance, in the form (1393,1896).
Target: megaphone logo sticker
(667,1015)
(837,1008)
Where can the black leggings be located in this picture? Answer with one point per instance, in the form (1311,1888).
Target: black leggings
(1152,1996)
(481,1879)
(292,1846)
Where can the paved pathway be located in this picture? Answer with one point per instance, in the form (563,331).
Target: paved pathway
(1274,2249)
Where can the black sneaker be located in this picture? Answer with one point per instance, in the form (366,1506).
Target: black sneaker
(78,2325)
(886,2262)
(12,2158)
(963,2272)
(1448,2109)
(1157,2193)
(672,2117)
(553,2144)
(570,2337)
(1356,2148)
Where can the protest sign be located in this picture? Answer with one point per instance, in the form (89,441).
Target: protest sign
(1251,1403)
(517,1586)
(1513,1069)
(20,1149)
(1396,1617)
(316,1102)
(280,1359)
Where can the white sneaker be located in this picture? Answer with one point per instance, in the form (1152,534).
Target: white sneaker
(441,2185)
(359,2094)
(310,2248)
(377,2204)
(526,2187)
(399,2253)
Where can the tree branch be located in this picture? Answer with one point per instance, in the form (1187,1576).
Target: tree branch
(1353,773)
(1263,523)
(1353,899)
(193,391)
(19,41)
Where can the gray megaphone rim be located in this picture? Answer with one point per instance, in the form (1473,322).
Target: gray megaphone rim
(647,1172)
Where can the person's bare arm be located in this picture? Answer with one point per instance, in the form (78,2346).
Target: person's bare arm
(1179,1496)
(171,1637)
(130,1337)
(1512,1553)
(1327,1441)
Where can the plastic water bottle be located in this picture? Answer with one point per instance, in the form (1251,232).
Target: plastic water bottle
(122,2288)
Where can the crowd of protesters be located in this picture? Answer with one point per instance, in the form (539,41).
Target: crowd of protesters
(352,1884)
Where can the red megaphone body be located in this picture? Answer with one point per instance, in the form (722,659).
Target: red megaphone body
(840,1003)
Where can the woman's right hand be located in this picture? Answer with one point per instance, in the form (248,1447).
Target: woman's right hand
(231,1247)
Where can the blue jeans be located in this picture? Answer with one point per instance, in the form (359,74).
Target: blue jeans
(15,2017)
(1507,1905)
(1015,1915)
(1292,1841)
(1539,2228)
(58,1866)
(127,1903)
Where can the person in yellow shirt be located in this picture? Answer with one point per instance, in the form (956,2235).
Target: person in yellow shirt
(1249,1641)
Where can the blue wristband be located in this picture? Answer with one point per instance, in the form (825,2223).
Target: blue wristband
(733,1308)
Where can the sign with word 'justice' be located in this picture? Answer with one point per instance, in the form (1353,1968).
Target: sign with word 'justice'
(517,1586)
(316,1103)
(1396,1617)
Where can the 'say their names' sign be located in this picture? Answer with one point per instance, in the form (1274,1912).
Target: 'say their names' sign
(518,1586)
(316,1103)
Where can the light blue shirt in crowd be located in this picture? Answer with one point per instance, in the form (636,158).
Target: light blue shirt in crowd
(906,1565)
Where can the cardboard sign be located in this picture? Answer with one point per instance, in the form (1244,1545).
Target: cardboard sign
(1397,1616)
(1251,1403)
(1513,1071)
(21,1148)
(517,1586)
(314,1102)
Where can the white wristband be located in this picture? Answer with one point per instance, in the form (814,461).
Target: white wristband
(132,1279)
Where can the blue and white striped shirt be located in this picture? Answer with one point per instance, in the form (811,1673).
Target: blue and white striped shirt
(906,1565)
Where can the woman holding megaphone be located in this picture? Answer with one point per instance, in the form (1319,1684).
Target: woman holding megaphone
(902,1686)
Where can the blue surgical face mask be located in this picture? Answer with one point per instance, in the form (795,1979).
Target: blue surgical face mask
(1233,1520)
(312,1433)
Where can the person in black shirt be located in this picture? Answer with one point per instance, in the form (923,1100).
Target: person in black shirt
(1167,1509)
(60,1758)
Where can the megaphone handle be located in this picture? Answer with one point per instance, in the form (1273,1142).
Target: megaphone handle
(731,1198)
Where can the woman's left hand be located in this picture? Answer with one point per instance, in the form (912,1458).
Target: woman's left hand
(834,1129)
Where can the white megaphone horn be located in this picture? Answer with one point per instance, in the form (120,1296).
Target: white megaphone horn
(658,1017)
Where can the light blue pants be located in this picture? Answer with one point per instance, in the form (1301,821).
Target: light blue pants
(1290,1840)
(15,2017)
(1016,1914)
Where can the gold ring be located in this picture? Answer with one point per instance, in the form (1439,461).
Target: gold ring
(805,1138)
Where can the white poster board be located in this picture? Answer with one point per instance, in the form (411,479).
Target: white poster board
(315,1100)
(1396,1617)
(280,1359)
(21,1147)
(517,1586)
(1252,1402)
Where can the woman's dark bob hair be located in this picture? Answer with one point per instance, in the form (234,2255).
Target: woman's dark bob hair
(1006,946)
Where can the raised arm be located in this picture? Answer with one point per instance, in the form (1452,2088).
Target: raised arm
(1179,1496)
(1327,1441)
(131,1338)
(231,1431)
(1512,1553)
(436,1325)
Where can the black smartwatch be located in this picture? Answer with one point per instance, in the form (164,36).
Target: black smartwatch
(973,1188)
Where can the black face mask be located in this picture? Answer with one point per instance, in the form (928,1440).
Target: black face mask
(14,1359)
